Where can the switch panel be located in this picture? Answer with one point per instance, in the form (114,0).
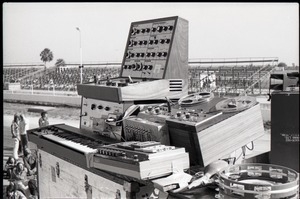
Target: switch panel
(94,112)
(156,48)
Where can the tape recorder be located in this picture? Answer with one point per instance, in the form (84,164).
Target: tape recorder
(208,127)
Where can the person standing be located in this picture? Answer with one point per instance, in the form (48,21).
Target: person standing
(24,126)
(15,131)
(43,121)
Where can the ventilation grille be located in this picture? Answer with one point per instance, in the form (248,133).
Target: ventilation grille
(176,85)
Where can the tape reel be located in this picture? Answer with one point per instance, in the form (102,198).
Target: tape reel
(195,98)
(261,181)
(236,104)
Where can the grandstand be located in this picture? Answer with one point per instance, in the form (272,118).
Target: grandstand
(15,73)
(238,75)
(66,78)
(231,76)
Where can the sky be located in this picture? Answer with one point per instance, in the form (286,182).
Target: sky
(216,30)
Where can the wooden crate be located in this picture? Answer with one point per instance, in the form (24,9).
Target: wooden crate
(217,137)
(71,183)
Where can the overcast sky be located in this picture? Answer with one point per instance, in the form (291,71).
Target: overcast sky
(216,30)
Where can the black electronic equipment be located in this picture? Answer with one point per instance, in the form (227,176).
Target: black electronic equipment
(285,129)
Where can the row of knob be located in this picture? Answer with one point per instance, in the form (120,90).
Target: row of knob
(117,153)
(94,106)
(148,54)
(137,66)
(150,42)
(136,31)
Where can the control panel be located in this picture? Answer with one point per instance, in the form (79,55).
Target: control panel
(157,49)
(148,125)
(97,115)
(141,160)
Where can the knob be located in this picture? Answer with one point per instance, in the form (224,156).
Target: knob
(164,54)
(149,108)
(140,42)
(133,66)
(155,41)
(134,43)
(162,41)
(157,110)
(165,28)
(158,54)
(187,115)
(153,54)
(150,67)
(100,107)
(153,29)
(178,114)
(143,31)
(148,54)
(159,28)
(142,54)
(93,106)
(151,42)
(107,108)
(145,42)
(167,41)
(137,31)
(135,157)
(131,54)
(137,54)
(170,27)
(129,66)
(145,67)
(84,114)
(125,66)
(147,29)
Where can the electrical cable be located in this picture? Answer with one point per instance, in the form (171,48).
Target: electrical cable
(251,147)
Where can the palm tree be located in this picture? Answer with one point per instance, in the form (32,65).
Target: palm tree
(60,63)
(46,55)
(282,64)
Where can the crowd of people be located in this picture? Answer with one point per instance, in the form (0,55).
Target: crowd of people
(21,167)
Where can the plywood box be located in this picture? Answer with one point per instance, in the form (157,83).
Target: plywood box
(218,137)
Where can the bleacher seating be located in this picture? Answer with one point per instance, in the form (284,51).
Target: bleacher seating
(12,75)
(236,77)
(67,78)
